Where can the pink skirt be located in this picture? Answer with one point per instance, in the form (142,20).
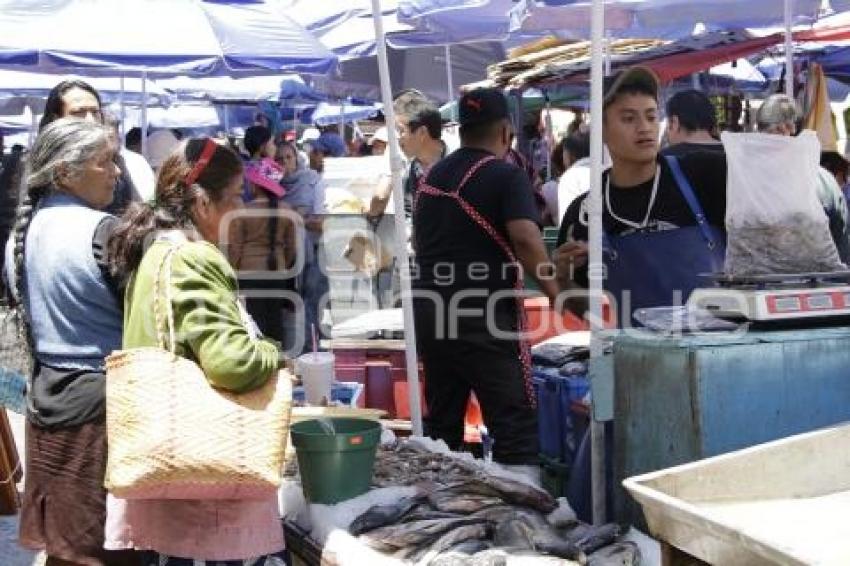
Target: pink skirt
(201,530)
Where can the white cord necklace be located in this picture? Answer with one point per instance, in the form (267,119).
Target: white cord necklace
(652,196)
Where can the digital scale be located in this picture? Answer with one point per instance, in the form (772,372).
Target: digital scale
(775,298)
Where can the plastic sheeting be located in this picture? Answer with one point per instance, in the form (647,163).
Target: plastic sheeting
(162,37)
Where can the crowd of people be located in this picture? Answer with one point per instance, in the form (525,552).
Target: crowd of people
(243,230)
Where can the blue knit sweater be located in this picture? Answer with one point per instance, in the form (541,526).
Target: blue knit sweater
(75,318)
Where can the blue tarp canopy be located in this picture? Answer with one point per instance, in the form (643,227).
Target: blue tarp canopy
(462,20)
(162,37)
(658,18)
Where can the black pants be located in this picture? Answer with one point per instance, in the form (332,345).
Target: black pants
(475,361)
(267,311)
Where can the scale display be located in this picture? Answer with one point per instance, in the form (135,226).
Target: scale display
(787,304)
(820,302)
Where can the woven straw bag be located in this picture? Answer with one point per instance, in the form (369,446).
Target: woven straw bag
(171,435)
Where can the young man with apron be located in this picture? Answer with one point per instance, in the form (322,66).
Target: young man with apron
(663,217)
(475,222)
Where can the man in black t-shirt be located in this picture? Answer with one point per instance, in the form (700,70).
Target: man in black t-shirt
(691,124)
(474,220)
(655,247)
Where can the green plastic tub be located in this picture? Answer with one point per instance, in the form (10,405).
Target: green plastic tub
(335,457)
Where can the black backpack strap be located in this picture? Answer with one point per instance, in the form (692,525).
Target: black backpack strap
(271,260)
(99,246)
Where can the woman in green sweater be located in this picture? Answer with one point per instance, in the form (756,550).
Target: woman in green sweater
(198,185)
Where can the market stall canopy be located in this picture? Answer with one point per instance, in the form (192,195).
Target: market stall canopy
(272,88)
(550,64)
(326,114)
(459,21)
(740,75)
(466,19)
(423,69)
(175,116)
(32,88)
(345,26)
(659,18)
(17,122)
(160,37)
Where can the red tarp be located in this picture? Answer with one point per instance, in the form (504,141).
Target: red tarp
(671,67)
(683,64)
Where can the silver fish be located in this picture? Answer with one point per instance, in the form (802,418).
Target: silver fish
(620,554)
(448,540)
(413,534)
(380,515)
(457,501)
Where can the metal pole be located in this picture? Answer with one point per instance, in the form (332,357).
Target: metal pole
(549,135)
(596,267)
(608,41)
(789,49)
(450,76)
(33,126)
(144,114)
(520,121)
(342,119)
(400,226)
(123,114)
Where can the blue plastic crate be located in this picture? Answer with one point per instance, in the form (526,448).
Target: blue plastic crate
(344,392)
(559,426)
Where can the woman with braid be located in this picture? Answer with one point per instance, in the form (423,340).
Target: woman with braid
(199,186)
(56,273)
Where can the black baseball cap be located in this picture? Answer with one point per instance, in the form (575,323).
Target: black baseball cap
(482,105)
(634,79)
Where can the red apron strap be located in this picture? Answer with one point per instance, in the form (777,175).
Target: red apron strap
(487,226)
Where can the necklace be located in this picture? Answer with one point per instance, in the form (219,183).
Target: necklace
(652,196)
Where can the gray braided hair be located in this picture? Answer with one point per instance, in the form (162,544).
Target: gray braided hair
(68,142)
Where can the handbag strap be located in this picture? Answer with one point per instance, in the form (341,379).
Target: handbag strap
(166,266)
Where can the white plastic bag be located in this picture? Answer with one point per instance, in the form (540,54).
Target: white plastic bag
(775,222)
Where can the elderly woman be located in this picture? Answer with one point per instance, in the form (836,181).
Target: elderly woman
(198,185)
(779,115)
(56,272)
(305,193)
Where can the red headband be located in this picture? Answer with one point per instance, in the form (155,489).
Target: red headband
(201,163)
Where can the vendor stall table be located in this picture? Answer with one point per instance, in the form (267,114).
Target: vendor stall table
(680,399)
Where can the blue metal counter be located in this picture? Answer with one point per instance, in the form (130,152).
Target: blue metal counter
(679,399)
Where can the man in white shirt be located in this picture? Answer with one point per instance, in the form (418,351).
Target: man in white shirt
(576,179)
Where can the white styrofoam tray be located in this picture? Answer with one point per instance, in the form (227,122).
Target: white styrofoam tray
(785,502)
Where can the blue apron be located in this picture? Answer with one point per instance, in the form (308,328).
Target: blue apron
(660,268)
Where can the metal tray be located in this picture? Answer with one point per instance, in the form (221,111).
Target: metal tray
(784,502)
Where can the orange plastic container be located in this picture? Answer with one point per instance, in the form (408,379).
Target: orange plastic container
(544,322)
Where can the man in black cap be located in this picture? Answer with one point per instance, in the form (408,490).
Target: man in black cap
(662,219)
(475,223)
